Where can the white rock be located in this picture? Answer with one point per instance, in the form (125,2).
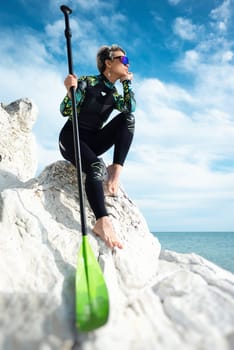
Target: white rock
(17,144)
(167,302)
(203,311)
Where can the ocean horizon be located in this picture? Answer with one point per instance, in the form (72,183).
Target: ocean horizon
(217,247)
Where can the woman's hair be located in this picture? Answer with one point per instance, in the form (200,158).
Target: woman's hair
(106,53)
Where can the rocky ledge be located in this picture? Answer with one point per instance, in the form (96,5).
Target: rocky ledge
(158,299)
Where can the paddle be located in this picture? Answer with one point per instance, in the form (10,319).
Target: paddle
(92,301)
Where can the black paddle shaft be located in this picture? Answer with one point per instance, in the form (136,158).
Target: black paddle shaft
(67,11)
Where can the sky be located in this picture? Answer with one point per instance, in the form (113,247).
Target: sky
(180,169)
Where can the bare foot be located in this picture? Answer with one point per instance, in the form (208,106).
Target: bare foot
(103,228)
(112,184)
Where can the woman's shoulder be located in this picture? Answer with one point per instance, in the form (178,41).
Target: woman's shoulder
(90,80)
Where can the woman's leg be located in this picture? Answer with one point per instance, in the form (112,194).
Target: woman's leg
(91,165)
(118,132)
(112,185)
(94,170)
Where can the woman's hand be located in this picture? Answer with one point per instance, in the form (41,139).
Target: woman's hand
(70,80)
(127,76)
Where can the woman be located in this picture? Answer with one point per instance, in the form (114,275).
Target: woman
(96,98)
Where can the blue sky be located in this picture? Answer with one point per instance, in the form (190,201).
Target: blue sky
(180,171)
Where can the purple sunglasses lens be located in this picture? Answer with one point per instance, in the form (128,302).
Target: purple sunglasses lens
(124,59)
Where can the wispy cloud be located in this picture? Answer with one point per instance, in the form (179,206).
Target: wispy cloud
(174,2)
(185,29)
(222,15)
(95,4)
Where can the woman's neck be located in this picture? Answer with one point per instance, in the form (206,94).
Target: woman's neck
(109,77)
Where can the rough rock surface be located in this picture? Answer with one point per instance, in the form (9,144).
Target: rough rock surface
(159,299)
(17,144)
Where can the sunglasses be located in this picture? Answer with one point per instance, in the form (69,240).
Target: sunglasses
(123,59)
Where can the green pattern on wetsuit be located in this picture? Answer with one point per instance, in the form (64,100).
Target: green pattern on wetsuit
(125,103)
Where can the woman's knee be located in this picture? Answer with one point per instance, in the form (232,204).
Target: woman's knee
(127,119)
(96,171)
(130,119)
(67,153)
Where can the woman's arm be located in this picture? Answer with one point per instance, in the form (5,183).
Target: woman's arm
(127,102)
(79,85)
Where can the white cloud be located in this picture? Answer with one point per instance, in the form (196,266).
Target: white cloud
(95,4)
(46,155)
(174,2)
(83,45)
(55,36)
(228,56)
(185,29)
(178,194)
(116,22)
(221,15)
(191,60)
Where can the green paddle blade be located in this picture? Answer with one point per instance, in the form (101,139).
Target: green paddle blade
(92,301)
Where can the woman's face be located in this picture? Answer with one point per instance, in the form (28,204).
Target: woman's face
(119,63)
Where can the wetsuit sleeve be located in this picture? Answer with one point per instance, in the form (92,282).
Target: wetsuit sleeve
(126,103)
(66,104)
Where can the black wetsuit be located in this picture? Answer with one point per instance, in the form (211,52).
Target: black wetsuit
(96,98)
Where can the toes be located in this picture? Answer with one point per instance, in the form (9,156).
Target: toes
(111,243)
(113,192)
(118,244)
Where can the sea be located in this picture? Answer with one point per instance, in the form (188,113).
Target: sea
(218,247)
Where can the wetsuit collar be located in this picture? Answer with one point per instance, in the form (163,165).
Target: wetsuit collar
(107,82)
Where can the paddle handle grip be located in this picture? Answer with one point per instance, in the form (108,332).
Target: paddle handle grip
(65,9)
